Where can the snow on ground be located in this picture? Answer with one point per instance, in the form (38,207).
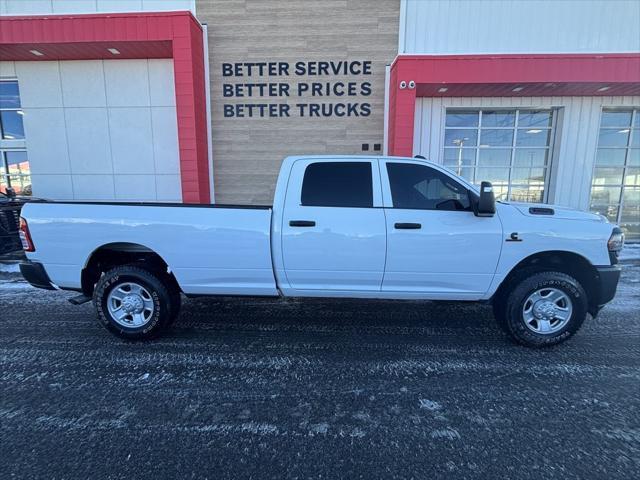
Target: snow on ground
(631,252)
(9,268)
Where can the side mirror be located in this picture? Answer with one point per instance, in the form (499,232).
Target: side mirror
(487,202)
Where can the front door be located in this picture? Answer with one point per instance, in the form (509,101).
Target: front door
(333,227)
(435,244)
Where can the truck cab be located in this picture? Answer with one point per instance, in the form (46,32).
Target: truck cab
(379,227)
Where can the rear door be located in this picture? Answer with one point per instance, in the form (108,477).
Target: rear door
(436,246)
(333,227)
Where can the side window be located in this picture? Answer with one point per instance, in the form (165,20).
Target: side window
(424,188)
(338,184)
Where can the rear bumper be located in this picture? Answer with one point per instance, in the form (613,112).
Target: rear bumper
(36,275)
(607,283)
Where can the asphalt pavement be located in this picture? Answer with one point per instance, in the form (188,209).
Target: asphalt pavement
(245,388)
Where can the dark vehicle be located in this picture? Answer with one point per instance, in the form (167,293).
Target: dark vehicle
(10,207)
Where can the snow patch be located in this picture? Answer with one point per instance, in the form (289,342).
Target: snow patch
(14,285)
(446,433)
(630,252)
(429,405)
(9,268)
(319,429)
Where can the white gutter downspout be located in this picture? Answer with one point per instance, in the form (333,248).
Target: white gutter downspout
(385,137)
(207,89)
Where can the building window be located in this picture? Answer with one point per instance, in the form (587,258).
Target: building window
(14,163)
(15,172)
(509,148)
(615,187)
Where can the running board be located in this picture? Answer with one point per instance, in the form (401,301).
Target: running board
(79,300)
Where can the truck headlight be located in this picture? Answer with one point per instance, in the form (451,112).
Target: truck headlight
(616,241)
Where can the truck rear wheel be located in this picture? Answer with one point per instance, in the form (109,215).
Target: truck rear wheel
(542,309)
(132,302)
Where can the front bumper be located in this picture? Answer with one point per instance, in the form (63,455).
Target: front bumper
(36,275)
(607,283)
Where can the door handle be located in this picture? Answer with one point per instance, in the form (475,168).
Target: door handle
(302,223)
(408,226)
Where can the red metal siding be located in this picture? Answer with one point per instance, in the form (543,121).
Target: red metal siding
(175,35)
(498,75)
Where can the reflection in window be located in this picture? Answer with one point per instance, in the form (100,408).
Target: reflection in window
(615,185)
(509,148)
(10,112)
(15,172)
(14,164)
(425,188)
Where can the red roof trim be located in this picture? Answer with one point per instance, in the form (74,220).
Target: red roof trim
(498,75)
(99,15)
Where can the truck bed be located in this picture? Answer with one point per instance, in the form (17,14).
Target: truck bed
(211,249)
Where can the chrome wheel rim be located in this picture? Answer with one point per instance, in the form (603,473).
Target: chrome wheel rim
(130,305)
(547,311)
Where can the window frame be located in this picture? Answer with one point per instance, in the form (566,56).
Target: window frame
(388,194)
(374,175)
(634,127)
(11,145)
(513,148)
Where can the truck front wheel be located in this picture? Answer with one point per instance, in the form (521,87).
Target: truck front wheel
(132,302)
(542,309)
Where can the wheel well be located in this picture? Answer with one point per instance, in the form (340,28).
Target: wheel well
(112,255)
(559,261)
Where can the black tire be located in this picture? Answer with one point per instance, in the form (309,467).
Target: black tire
(499,312)
(164,307)
(176,305)
(499,302)
(170,283)
(509,310)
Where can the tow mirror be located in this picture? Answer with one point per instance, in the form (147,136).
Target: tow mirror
(487,202)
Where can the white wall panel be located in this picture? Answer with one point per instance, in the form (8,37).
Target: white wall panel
(57,186)
(74,6)
(7,69)
(26,7)
(46,140)
(39,84)
(131,141)
(439,27)
(83,83)
(88,137)
(162,91)
(127,83)
(119,5)
(165,148)
(134,187)
(93,187)
(168,188)
(163,5)
(575,142)
(75,125)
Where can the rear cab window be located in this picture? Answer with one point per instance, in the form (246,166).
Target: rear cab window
(338,184)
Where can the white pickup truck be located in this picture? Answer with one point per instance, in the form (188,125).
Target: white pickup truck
(360,227)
